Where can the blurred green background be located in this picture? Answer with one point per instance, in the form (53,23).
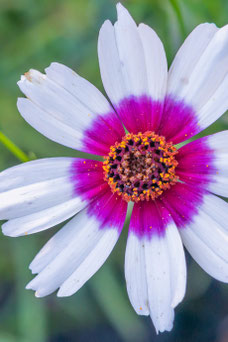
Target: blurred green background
(33,33)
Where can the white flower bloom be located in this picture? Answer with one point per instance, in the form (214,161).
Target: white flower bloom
(174,191)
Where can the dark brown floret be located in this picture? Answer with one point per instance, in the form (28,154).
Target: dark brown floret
(141,167)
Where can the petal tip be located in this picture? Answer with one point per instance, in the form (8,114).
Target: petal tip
(119,6)
(37,295)
(107,23)
(28,286)
(33,268)
(121,11)
(61,293)
(32,76)
(8,232)
(54,66)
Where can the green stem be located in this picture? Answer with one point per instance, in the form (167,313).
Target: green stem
(16,151)
(177,10)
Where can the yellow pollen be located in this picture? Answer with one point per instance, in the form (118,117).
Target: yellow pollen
(141,167)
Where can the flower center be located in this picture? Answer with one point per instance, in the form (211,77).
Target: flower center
(141,167)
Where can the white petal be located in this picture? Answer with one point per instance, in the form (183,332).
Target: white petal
(43,219)
(204,256)
(80,88)
(50,126)
(219,144)
(199,73)
(31,198)
(217,209)
(130,51)
(187,57)
(56,244)
(34,171)
(81,252)
(85,235)
(156,63)
(104,208)
(155,271)
(159,282)
(61,105)
(132,60)
(110,66)
(177,264)
(37,195)
(91,264)
(206,238)
(135,273)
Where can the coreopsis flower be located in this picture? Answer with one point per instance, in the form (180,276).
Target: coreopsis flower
(174,190)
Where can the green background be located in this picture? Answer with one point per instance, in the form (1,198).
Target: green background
(33,33)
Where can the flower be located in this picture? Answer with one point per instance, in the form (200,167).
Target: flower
(174,190)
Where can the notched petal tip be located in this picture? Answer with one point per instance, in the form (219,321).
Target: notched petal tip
(22,79)
(28,76)
(55,64)
(32,76)
(32,267)
(161,327)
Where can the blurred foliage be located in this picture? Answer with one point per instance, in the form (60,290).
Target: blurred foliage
(33,33)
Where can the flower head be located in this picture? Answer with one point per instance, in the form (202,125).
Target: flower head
(141,167)
(173,189)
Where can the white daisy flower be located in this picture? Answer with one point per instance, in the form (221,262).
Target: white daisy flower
(173,190)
